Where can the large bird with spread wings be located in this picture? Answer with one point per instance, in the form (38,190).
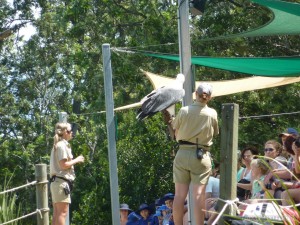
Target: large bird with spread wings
(162,98)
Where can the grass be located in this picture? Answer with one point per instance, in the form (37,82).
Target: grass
(9,210)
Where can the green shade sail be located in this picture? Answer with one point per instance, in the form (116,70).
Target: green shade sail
(271,67)
(285,20)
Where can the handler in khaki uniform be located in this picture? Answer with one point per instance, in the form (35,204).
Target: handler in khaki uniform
(62,172)
(194,124)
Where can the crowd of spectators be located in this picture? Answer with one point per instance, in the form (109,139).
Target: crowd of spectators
(159,213)
(272,176)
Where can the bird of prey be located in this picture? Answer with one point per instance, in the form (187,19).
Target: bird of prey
(162,98)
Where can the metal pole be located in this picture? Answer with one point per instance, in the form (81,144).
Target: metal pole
(185,50)
(110,124)
(42,194)
(185,68)
(63,117)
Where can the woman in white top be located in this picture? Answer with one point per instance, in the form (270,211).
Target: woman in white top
(62,172)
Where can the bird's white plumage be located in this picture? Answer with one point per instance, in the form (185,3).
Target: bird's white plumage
(162,98)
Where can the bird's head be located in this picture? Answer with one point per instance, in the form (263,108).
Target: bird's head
(180,78)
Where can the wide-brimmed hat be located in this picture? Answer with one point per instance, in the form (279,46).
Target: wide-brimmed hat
(125,206)
(289,132)
(168,196)
(143,206)
(160,209)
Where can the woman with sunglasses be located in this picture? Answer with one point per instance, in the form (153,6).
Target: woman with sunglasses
(62,172)
(273,150)
(277,162)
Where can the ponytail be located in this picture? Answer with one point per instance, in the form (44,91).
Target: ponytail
(59,130)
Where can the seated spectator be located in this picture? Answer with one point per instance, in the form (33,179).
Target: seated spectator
(162,215)
(124,212)
(168,218)
(212,192)
(290,132)
(215,169)
(144,212)
(240,167)
(291,193)
(244,184)
(273,151)
(133,219)
(259,169)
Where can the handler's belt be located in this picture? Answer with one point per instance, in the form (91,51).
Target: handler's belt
(190,143)
(70,182)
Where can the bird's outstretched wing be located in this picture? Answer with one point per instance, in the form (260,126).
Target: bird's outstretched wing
(158,100)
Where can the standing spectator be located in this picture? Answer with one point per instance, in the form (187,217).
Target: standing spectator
(62,172)
(195,126)
(124,212)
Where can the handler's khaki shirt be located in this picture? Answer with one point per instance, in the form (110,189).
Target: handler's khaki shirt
(196,121)
(63,151)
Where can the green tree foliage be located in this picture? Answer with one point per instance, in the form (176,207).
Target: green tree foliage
(60,69)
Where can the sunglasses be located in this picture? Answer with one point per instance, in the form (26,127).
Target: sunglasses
(269,149)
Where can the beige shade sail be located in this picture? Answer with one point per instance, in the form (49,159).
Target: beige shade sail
(221,88)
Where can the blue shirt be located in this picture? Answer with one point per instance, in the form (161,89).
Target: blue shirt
(147,221)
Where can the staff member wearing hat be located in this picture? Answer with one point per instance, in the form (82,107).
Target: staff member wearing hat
(194,124)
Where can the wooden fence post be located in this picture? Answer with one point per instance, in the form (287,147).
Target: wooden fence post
(42,194)
(228,156)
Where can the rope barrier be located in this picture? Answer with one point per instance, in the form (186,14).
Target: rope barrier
(37,211)
(230,203)
(17,188)
(270,115)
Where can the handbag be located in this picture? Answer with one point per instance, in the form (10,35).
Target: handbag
(241,193)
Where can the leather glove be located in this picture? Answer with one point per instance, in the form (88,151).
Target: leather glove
(167,117)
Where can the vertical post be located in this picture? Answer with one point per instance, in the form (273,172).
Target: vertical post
(111,134)
(229,146)
(42,194)
(185,68)
(63,118)
(185,50)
